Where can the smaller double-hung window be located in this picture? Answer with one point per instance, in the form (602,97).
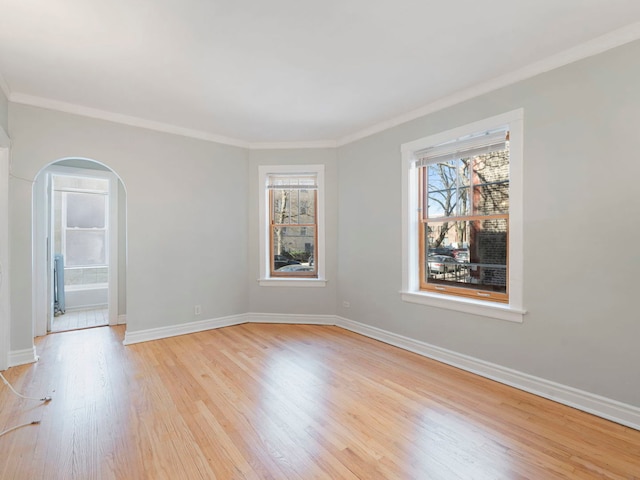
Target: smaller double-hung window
(291,223)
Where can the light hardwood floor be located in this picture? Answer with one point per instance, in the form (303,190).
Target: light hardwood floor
(286,402)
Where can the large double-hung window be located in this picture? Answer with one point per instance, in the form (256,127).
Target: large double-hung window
(463,199)
(463,229)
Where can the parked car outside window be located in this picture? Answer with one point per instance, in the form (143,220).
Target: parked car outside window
(442,264)
(296,268)
(280,261)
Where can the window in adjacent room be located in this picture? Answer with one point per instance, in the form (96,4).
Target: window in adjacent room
(291,224)
(463,236)
(81,228)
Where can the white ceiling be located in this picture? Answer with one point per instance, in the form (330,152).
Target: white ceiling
(253,72)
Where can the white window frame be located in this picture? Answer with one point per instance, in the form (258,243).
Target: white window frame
(65,229)
(265,279)
(513,311)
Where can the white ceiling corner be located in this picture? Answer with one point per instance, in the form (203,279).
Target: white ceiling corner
(288,73)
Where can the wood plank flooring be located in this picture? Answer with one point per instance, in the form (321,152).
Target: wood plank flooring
(77,319)
(286,402)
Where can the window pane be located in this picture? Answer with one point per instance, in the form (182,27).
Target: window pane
(64,182)
(85,210)
(467,253)
(293,248)
(85,248)
(491,183)
(491,199)
(293,206)
(86,276)
(448,189)
(441,188)
(441,203)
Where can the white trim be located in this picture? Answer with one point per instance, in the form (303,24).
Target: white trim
(213,323)
(613,410)
(122,319)
(182,329)
(496,310)
(292,282)
(590,48)
(263,226)
(292,145)
(83,111)
(410,283)
(113,289)
(291,318)
(5,298)
(22,357)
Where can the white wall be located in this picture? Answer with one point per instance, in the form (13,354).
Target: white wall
(294,300)
(581,228)
(186,216)
(87,298)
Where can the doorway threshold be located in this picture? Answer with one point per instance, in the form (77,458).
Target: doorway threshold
(78,319)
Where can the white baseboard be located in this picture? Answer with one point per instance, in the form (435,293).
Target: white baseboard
(285,318)
(122,319)
(210,324)
(613,410)
(618,412)
(183,329)
(22,357)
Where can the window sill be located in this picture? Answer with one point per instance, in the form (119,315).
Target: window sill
(467,305)
(86,286)
(292,282)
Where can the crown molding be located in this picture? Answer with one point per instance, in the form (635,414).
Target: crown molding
(593,47)
(292,145)
(41,102)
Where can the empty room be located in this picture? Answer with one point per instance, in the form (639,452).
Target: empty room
(319,240)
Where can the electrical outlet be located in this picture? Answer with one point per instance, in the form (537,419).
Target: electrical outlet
(197,309)
(346,304)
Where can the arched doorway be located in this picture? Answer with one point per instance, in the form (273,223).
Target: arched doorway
(79,246)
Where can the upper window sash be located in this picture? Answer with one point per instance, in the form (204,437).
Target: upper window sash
(292,182)
(463,147)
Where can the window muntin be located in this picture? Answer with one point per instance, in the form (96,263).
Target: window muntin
(293,225)
(463,205)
